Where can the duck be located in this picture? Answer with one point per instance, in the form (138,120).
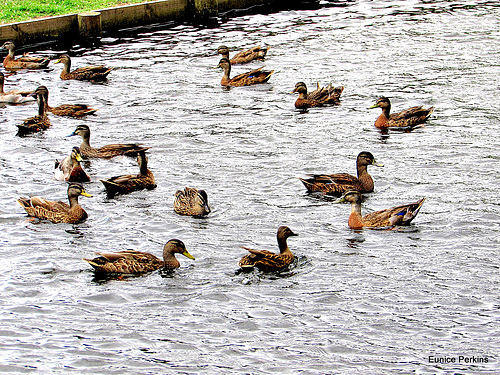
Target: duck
(69,169)
(245,79)
(318,97)
(390,217)
(243,57)
(132,182)
(137,262)
(70,110)
(104,152)
(337,184)
(191,202)
(405,119)
(57,211)
(268,261)
(24,62)
(88,73)
(36,123)
(14,96)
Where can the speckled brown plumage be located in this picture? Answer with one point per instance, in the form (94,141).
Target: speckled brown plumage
(57,211)
(191,202)
(253,77)
(405,119)
(23,62)
(243,57)
(394,216)
(317,98)
(87,73)
(132,182)
(69,169)
(36,123)
(137,262)
(69,110)
(337,184)
(268,261)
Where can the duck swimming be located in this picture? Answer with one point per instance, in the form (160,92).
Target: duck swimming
(408,118)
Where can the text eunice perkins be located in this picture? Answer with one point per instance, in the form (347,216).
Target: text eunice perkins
(457,359)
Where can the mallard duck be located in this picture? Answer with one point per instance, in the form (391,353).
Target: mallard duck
(57,211)
(69,169)
(36,123)
(409,118)
(104,152)
(191,202)
(245,79)
(394,216)
(71,110)
(87,73)
(254,53)
(24,62)
(267,261)
(132,182)
(337,184)
(137,262)
(14,96)
(318,97)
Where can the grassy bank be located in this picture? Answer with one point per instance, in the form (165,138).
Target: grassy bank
(23,10)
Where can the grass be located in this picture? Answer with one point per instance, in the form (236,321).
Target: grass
(24,10)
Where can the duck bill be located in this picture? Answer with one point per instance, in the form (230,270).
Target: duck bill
(70,135)
(85,194)
(78,157)
(187,255)
(340,200)
(377,164)
(373,106)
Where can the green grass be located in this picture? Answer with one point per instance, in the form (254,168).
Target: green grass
(24,10)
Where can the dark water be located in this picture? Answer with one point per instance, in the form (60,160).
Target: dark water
(365,302)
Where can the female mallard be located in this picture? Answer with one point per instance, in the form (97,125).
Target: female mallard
(409,118)
(14,96)
(191,202)
(69,169)
(267,261)
(87,73)
(337,184)
(254,53)
(399,215)
(132,182)
(57,211)
(71,110)
(136,262)
(36,123)
(24,62)
(105,152)
(245,79)
(318,97)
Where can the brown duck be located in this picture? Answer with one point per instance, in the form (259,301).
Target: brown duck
(69,169)
(24,62)
(245,79)
(267,261)
(57,211)
(243,57)
(137,262)
(87,73)
(71,110)
(191,202)
(390,217)
(406,119)
(132,182)
(36,123)
(317,98)
(105,152)
(337,184)
(14,96)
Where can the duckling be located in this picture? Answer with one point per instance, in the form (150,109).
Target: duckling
(57,211)
(337,184)
(318,97)
(132,182)
(254,53)
(71,110)
(408,118)
(191,202)
(14,96)
(105,152)
(245,79)
(24,62)
(36,123)
(87,73)
(267,261)
(137,262)
(69,169)
(390,217)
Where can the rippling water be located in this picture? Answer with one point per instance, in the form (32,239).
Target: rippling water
(367,302)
